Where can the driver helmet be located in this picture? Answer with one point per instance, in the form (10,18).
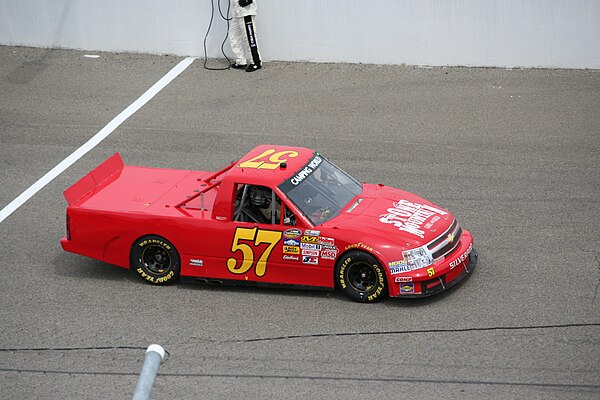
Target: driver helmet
(259,196)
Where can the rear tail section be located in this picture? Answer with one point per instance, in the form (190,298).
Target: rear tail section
(94,181)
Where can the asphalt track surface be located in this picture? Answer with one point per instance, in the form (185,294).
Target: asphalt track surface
(513,153)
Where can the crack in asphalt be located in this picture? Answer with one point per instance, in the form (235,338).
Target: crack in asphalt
(32,349)
(593,387)
(317,335)
(74,348)
(322,378)
(480,329)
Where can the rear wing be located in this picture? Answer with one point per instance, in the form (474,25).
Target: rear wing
(94,181)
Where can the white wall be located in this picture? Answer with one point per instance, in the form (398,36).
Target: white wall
(503,33)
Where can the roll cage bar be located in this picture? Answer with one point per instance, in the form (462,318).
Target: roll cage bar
(209,186)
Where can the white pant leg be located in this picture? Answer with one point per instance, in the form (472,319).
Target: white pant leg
(238,40)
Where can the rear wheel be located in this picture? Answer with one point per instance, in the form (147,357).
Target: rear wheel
(361,277)
(155,259)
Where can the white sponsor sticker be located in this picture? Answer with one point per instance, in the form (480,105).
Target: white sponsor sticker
(462,258)
(408,217)
(311,232)
(329,254)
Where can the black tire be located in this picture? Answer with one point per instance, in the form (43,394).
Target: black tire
(361,277)
(155,260)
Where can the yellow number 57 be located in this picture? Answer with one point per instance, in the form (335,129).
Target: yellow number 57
(257,236)
(268,160)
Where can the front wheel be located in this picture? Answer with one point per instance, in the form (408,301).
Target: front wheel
(361,277)
(155,259)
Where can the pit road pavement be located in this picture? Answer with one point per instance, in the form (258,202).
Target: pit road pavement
(512,153)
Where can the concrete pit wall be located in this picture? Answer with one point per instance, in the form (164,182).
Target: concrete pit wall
(499,33)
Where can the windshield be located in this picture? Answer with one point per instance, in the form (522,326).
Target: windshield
(320,190)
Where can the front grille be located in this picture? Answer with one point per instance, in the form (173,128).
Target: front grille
(446,242)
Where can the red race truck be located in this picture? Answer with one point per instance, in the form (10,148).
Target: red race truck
(280,215)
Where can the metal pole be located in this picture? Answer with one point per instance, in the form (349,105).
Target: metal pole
(155,355)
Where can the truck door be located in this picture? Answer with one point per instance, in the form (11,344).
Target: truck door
(264,240)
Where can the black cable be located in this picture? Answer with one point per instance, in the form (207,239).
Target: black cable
(226,18)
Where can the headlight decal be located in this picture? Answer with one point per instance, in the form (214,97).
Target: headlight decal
(418,258)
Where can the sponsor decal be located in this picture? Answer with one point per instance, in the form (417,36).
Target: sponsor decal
(310,260)
(291,250)
(407,288)
(433,220)
(396,263)
(195,262)
(359,245)
(310,246)
(399,269)
(291,258)
(292,233)
(327,241)
(462,258)
(250,34)
(291,242)
(408,217)
(329,254)
(310,253)
(306,171)
(402,279)
(310,232)
(310,239)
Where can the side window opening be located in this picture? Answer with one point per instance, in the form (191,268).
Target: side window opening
(260,204)
(289,219)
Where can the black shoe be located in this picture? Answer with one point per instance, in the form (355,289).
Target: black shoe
(239,66)
(253,67)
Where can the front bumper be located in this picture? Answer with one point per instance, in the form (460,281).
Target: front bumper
(439,282)
(446,281)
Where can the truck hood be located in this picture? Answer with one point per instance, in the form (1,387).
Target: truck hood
(396,215)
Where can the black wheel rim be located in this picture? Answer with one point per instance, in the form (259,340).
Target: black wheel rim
(156,259)
(362,276)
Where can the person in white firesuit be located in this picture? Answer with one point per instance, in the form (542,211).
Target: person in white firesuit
(242,35)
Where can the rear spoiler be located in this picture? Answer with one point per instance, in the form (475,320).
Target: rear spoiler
(94,181)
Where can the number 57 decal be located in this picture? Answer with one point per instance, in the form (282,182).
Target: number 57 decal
(257,236)
(269,159)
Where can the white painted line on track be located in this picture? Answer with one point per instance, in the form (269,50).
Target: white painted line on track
(96,139)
